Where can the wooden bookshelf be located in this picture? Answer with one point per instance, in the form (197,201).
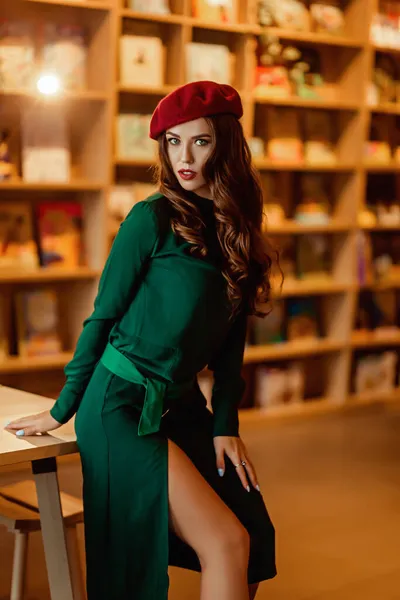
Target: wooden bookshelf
(347,62)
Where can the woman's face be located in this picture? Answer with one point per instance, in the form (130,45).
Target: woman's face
(189,146)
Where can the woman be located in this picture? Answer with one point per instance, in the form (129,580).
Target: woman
(165,480)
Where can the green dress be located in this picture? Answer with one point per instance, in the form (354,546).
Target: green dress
(165,311)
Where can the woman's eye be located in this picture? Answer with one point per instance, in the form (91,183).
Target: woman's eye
(202,142)
(173,141)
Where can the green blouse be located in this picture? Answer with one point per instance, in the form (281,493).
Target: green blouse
(164,309)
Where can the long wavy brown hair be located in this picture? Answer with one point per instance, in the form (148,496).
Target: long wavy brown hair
(238,206)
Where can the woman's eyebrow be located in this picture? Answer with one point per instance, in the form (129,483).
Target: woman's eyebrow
(199,135)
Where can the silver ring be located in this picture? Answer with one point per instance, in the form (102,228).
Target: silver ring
(237,466)
(244,463)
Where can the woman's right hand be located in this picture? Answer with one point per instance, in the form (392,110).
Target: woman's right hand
(33,425)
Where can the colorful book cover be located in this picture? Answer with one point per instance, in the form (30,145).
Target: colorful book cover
(60,227)
(208,62)
(17,55)
(219,11)
(37,323)
(141,61)
(133,141)
(65,53)
(302,319)
(18,248)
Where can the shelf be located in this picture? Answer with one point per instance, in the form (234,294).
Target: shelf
(386,49)
(171,18)
(21,364)
(287,350)
(294,228)
(214,25)
(386,284)
(301,409)
(75,96)
(93,4)
(135,162)
(373,397)
(47,274)
(371,340)
(161,91)
(307,288)
(311,37)
(389,108)
(378,227)
(383,168)
(269,165)
(73,186)
(295,102)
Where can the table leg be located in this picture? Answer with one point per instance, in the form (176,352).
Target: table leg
(53,532)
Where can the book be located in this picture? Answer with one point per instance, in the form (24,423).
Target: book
(18,249)
(46,153)
(65,54)
(153,7)
(277,386)
(60,227)
(17,55)
(376,372)
(133,141)
(141,61)
(302,319)
(37,321)
(211,62)
(219,11)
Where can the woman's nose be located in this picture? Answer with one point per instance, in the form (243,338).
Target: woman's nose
(186,156)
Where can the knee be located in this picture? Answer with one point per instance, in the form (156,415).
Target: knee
(231,544)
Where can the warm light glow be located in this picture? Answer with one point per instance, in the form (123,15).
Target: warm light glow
(49,85)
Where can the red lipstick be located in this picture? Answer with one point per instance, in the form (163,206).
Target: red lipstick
(187,174)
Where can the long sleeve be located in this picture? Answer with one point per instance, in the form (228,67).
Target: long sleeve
(132,247)
(229,384)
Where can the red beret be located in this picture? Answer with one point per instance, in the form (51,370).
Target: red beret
(194,101)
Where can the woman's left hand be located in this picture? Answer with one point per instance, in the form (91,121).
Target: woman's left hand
(236,451)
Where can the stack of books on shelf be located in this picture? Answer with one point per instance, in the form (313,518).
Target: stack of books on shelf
(49,236)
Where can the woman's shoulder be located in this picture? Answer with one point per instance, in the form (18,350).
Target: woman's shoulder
(152,213)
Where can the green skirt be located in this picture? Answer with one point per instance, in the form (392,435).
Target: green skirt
(125,491)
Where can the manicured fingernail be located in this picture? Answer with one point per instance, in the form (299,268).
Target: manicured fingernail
(221,472)
(20,432)
(248,488)
(258,488)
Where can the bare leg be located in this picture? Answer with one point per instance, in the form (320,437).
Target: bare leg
(253,589)
(201,519)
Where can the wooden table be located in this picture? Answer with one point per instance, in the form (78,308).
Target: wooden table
(41,451)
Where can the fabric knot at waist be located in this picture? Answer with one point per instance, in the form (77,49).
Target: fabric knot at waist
(156,391)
